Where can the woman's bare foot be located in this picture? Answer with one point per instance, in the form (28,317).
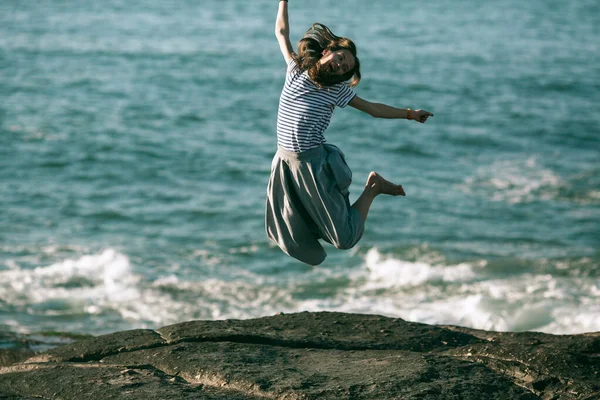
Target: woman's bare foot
(375,186)
(382,186)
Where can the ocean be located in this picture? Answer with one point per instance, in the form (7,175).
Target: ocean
(136,139)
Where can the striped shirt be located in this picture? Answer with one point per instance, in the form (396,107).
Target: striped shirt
(305,110)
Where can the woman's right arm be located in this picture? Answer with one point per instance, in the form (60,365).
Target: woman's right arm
(282,31)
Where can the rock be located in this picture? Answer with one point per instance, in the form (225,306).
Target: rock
(312,356)
(17,347)
(11,356)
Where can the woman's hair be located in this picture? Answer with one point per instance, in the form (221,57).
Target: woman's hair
(310,50)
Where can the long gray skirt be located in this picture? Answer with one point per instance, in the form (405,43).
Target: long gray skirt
(307,200)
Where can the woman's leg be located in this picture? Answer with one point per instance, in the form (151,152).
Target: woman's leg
(375,186)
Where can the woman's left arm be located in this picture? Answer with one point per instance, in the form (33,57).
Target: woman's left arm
(379,110)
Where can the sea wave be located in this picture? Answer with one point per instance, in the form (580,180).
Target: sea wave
(426,289)
(468,294)
(515,181)
(104,283)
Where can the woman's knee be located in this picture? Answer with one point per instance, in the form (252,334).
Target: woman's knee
(347,238)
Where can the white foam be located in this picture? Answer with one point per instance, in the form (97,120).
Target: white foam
(91,284)
(426,289)
(514,181)
(107,273)
(464,295)
(105,283)
(390,272)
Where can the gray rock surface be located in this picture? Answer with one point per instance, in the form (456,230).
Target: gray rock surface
(312,356)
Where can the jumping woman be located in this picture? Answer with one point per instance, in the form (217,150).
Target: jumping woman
(307,194)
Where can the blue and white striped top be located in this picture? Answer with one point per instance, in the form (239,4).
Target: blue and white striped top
(305,110)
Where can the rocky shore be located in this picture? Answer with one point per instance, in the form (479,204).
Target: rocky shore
(310,356)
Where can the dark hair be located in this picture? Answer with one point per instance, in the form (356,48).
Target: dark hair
(310,50)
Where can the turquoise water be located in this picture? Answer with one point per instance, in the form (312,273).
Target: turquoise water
(136,140)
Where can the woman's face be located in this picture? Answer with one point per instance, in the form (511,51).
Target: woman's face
(337,62)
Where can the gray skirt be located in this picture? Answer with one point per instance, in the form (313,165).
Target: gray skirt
(307,200)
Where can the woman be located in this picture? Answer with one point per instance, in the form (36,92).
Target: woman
(307,195)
